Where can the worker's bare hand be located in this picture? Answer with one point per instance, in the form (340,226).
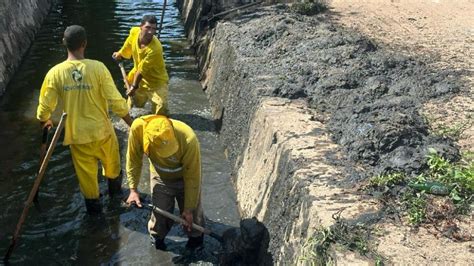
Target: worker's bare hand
(134,198)
(188,217)
(117,56)
(47,124)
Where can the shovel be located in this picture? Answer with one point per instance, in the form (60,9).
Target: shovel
(181,221)
(234,248)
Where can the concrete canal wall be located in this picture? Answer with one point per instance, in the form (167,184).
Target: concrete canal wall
(19,22)
(279,176)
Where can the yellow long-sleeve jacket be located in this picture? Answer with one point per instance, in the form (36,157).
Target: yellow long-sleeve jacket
(184,164)
(149,60)
(87,91)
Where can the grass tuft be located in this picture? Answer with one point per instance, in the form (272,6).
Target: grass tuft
(387,180)
(355,237)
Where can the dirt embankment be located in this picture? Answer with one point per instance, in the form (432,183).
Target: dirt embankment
(309,110)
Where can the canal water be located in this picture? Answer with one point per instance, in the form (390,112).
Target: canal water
(61,233)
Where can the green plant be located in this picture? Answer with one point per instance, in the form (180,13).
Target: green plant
(416,207)
(387,180)
(314,250)
(309,7)
(443,191)
(354,237)
(458,177)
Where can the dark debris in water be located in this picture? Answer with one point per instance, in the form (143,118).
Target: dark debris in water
(244,245)
(247,245)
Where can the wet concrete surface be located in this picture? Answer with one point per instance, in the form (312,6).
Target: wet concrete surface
(62,233)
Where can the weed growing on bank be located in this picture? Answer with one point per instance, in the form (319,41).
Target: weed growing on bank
(354,237)
(436,196)
(387,180)
(415,205)
(442,192)
(458,178)
(309,7)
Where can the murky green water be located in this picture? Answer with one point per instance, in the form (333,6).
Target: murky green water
(62,233)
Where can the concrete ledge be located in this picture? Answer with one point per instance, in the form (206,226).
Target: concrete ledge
(287,180)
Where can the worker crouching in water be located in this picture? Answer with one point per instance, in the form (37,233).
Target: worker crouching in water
(87,91)
(175,173)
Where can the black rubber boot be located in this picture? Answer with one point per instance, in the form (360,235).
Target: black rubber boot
(93,206)
(115,186)
(158,243)
(195,242)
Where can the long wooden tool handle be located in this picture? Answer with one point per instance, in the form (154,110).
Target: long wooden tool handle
(179,219)
(124,76)
(36,185)
(44,147)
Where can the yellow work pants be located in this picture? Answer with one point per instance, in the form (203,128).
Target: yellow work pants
(86,157)
(157,96)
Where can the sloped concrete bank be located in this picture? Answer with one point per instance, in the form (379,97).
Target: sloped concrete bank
(307,112)
(19,21)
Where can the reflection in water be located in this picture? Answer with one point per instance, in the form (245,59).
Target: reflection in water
(61,233)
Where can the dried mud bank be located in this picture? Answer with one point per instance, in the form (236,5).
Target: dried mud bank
(440,30)
(308,111)
(19,21)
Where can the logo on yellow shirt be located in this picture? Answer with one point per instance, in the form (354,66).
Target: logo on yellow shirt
(79,85)
(77,75)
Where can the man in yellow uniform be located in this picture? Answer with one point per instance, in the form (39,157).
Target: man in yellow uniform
(174,154)
(148,78)
(87,91)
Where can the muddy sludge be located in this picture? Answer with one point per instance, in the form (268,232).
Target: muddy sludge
(367,96)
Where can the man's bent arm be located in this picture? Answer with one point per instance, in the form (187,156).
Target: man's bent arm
(126,50)
(135,84)
(117,103)
(135,153)
(192,175)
